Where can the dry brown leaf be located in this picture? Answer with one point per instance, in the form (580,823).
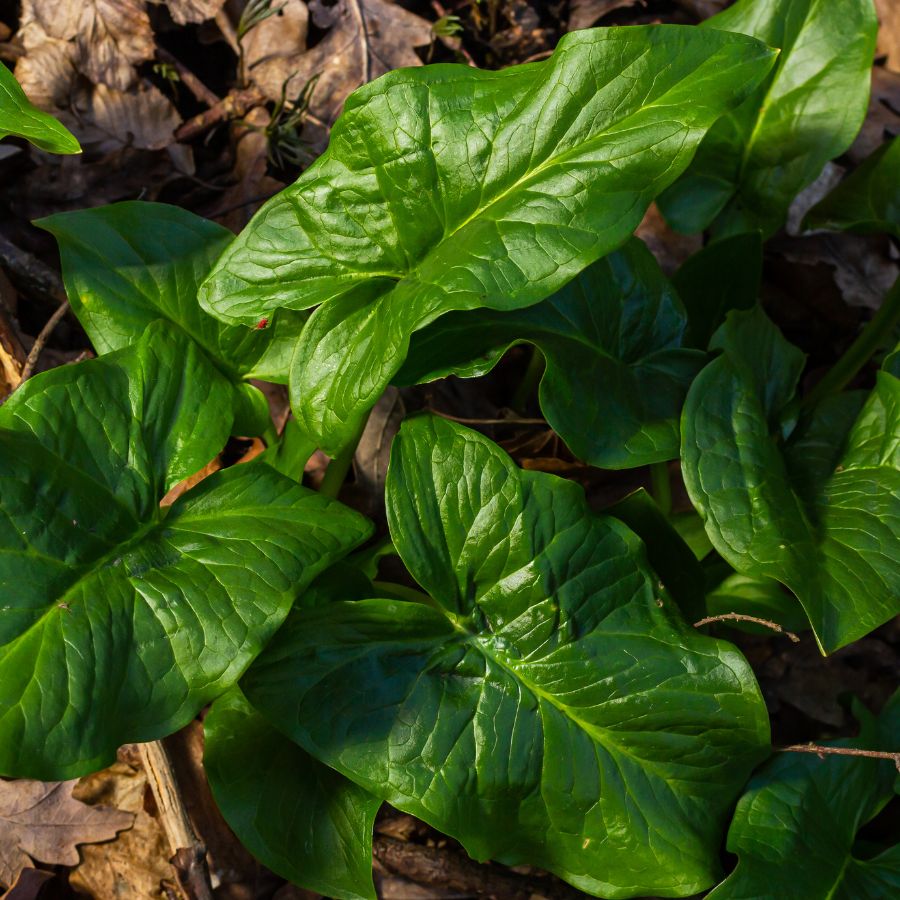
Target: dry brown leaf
(282,36)
(883,118)
(583,13)
(29,885)
(365,39)
(889,31)
(110,36)
(186,12)
(142,117)
(133,865)
(43,821)
(370,462)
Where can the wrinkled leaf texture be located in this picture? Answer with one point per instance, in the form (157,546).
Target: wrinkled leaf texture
(551,707)
(820,511)
(796,825)
(120,620)
(21,118)
(449,188)
(616,374)
(759,156)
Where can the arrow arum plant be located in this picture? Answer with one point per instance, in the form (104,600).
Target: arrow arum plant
(532,684)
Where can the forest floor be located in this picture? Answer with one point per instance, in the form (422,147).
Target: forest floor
(171,106)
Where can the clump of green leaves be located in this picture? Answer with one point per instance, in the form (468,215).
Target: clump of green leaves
(533,685)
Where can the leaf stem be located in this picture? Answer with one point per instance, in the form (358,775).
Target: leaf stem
(407,593)
(530,381)
(337,470)
(661,486)
(870,339)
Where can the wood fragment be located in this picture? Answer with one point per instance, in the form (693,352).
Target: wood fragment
(823,750)
(34,354)
(235,105)
(740,617)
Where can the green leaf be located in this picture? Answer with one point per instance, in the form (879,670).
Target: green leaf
(616,374)
(120,619)
(20,118)
(819,512)
(303,820)
(724,275)
(449,188)
(796,825)
(757,158)
(671,558)
(127,264)
(551,709)
(866,201)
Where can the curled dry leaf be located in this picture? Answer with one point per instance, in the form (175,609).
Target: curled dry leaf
(366,38)
(43,821)
(109,36)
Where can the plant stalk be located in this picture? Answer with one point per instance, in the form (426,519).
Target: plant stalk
(661,486)
(871,339)
(530,381)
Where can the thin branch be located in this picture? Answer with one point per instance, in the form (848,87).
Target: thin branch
(188,852)
(463,421)
(42,282)
(234,106)
(37,348)
(200,91)
(822,750)
(740,617)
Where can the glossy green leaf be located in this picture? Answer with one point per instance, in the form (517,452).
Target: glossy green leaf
(449,188)
(756,159)
(119,619)
(304,821)
(819,512)
(668,554)
(616,374)
(552,707)
(20,118)
(867,200)
(795,827)
(128,264)
(725,275)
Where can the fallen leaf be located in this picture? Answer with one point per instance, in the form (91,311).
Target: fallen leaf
(42,821)
(186,12)
(365,39)
(370,462)
(142,117)
(703,9)
(889,32)
(883,118)
(280,36)
(583,13)
(669,247)
(137,861)
(29,885)
(110,36)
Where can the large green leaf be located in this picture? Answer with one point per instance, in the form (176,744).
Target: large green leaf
(726,274)
(120,619)
(868,200)
(448,188)
(20,118)
(303,820)
(795,827)
(128,264)
(819,512)
(552,708)
(756,159)
(616,374)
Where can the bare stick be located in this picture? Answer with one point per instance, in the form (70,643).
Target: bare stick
(35,352)
(41,281)
(190,80)
(740,617)
(822,751)
(510,421)
(188,853)
(235,105)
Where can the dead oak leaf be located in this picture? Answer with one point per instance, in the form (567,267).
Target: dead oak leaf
(188,12)
(365,39)
(42,821)
(110,36)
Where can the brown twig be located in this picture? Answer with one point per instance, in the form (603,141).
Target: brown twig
(188,852)
(453,870)
(511,421)
(740,617)
(41,281)
(37,347)
(200,91)
(235,105)
(822,750)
